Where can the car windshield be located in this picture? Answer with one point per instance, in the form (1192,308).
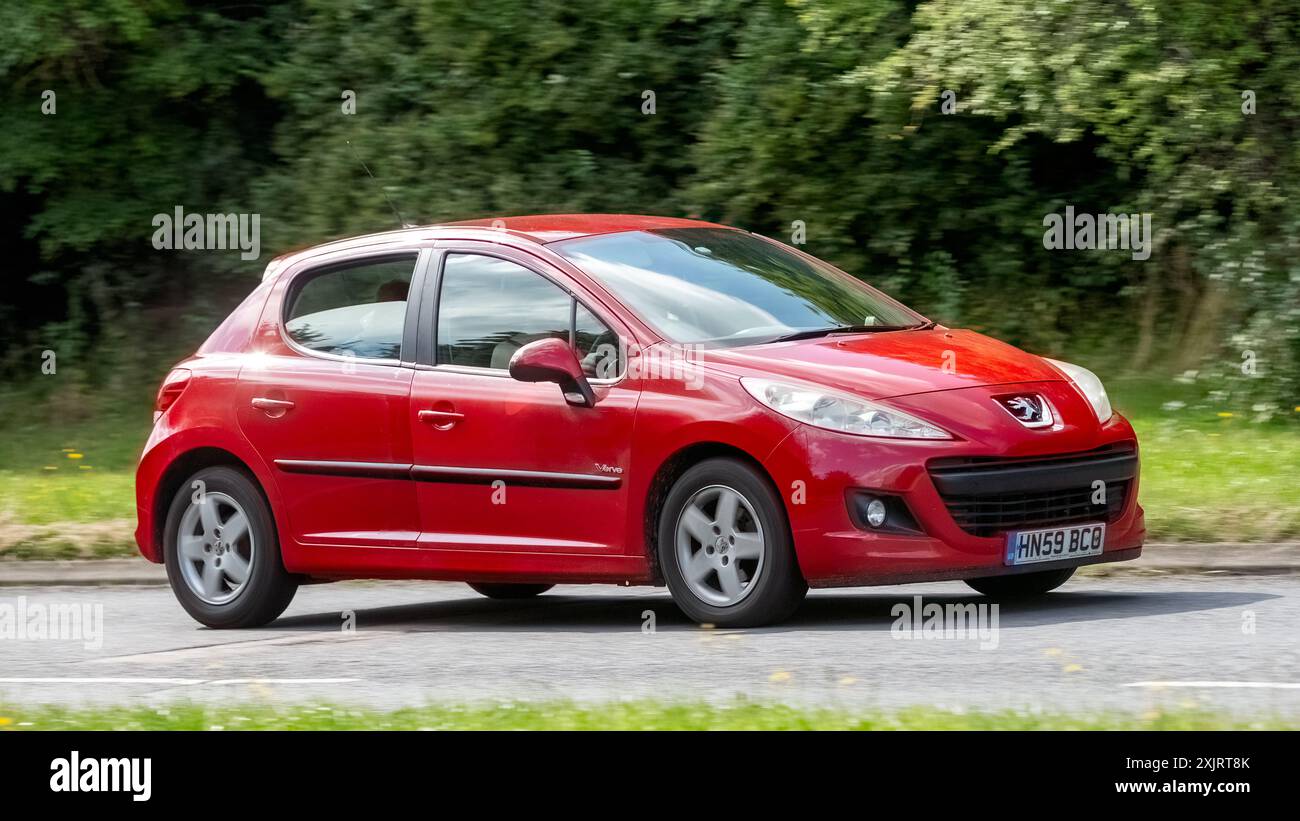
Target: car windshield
(722,287)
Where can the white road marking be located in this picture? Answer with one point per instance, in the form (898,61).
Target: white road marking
(72,680)
(280,681)
(175,681)
(1242,685)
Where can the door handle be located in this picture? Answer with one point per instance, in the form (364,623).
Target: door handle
(273,407)
(440,419)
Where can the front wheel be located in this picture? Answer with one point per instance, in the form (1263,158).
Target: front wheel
(1021,585)
(222,553)
(725,547)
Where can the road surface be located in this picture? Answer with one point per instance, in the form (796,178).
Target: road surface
(1115,643)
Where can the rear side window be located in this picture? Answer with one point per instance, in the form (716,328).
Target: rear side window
(489,308)
(357,310)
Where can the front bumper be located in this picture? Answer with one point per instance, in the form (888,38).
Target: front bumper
(818,471)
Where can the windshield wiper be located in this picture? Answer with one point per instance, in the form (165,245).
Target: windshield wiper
(843,329)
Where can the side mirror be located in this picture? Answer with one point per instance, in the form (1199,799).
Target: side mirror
(552,360)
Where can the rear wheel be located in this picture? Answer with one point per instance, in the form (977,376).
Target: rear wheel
(725,547)
(510,591)
(1022,585)
(222,553)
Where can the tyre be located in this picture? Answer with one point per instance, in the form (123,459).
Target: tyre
(510,591)
(1021,585)
(725,547)
(222,553)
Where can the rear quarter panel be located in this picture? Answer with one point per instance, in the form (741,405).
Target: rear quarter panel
(203,417)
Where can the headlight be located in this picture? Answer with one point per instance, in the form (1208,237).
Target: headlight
(1087,381)
(838,411)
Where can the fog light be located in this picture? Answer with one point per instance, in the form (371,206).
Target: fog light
(876,513)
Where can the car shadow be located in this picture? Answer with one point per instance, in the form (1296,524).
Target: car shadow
(822,610)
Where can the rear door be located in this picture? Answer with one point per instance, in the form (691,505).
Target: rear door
(326,402)
(510,466)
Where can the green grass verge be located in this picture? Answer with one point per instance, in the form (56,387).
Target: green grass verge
(1220,483)
(66,489)
(67,497)
(1211,475)
(635,715)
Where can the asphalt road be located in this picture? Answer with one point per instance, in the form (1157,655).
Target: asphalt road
(1122,643)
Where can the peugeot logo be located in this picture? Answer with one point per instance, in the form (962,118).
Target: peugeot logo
(1029,409)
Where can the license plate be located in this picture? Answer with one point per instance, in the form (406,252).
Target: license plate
(1053,544)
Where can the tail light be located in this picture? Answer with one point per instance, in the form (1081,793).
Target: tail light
(172,388)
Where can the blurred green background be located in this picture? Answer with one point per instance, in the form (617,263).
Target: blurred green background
(765,113)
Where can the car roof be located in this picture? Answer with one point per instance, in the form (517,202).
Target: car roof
(539,228)
(555,227)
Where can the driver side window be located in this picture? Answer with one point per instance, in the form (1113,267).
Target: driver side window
(488,308)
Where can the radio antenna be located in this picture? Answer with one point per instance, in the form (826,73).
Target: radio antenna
(401,223)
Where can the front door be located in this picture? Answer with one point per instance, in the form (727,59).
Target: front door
(509,466)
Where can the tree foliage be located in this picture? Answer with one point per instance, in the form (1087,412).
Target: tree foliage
(770,115)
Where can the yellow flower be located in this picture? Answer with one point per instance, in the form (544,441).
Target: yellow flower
(4,722)
(75,456)
(1225,414)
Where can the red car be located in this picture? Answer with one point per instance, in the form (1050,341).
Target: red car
(530,401)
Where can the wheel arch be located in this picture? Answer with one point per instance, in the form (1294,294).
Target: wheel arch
(186,465)
(671,469)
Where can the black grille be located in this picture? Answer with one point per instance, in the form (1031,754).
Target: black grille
(986,496)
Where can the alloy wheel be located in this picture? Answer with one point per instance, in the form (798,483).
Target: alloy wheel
(720,546)
(216,548)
